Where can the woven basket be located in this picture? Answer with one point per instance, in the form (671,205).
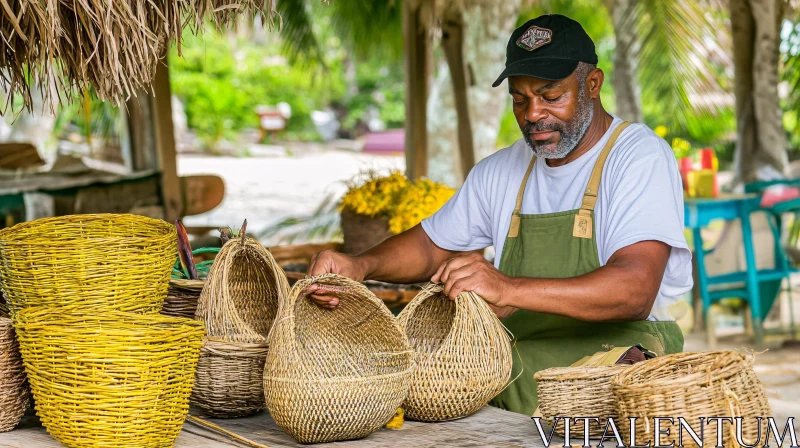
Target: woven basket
(101,262)
(692,385)
(182,297)
(335,374)
(238,305)
(463,355)
(112,380)
(13,385)
(578,391)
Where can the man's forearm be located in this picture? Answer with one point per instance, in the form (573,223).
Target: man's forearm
(410,257)
(610,293)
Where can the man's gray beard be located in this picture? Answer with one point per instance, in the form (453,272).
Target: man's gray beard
(572,135)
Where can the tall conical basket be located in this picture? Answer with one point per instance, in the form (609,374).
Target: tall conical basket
(238,305)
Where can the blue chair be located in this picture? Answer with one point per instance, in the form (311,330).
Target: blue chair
(777,213)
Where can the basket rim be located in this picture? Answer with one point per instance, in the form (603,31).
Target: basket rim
(431,290)
(119,322)
(10,234)
(192,285)
(578,372)
(625,381)
(342,379)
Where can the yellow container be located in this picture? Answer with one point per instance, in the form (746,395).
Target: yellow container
(109,380)
(101,262)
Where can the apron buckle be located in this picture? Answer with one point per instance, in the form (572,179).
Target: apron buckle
(583,226)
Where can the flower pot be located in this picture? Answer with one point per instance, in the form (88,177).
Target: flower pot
(362,232)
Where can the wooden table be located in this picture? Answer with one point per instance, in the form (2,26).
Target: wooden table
(489,427)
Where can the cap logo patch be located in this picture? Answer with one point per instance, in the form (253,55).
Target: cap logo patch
(534,37)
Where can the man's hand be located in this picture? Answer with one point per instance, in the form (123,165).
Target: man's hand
(330,262)
(474,273)
(503,312)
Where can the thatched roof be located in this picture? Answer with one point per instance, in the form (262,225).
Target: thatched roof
(111,46)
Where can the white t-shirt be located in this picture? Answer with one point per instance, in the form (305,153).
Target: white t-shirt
(641,198)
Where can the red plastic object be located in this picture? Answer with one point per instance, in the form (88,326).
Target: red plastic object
(778,193)
(707,159)
(685,167)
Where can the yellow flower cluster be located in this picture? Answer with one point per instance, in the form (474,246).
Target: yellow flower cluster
(394,197)
(682,148)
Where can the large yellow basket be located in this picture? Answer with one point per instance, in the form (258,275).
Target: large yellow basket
(102,262)
(112,380)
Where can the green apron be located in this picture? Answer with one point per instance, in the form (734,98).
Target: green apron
(561,245)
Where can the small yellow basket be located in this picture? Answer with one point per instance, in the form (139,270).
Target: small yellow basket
(101,262)
(112,380)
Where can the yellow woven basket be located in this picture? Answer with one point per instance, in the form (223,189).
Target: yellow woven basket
(335,374)
(112,380)
(102,261)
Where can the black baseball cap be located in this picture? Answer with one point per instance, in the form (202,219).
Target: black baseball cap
(547,47)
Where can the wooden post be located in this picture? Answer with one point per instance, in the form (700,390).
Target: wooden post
(165,144)
(453,43)
(142,134)
(417,65)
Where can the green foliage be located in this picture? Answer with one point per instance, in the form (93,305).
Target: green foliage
(378,86)
(667,73)
(790,73)
(369,28)
(221,82)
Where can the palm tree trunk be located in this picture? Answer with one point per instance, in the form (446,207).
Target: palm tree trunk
(761,140)
(417,65)
(453,44)
(487,28)
(626,85)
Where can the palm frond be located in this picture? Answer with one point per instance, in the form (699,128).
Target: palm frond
(300,43)
(323,225)
(370,27)
(679,57)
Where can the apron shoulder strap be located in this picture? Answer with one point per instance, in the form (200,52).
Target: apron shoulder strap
(583,220)
(513,231)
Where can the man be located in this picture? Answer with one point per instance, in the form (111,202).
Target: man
(585,214)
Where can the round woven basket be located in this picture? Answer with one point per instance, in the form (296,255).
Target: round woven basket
(692,385)
(577,391)
(335,374)
(182,297)
(238,305)
(13,385)
(361,233)
(114,379)
(462,351)
(102,262)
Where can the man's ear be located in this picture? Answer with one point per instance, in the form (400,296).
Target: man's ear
(594,82)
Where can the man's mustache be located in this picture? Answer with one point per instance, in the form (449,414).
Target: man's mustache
(541,126)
